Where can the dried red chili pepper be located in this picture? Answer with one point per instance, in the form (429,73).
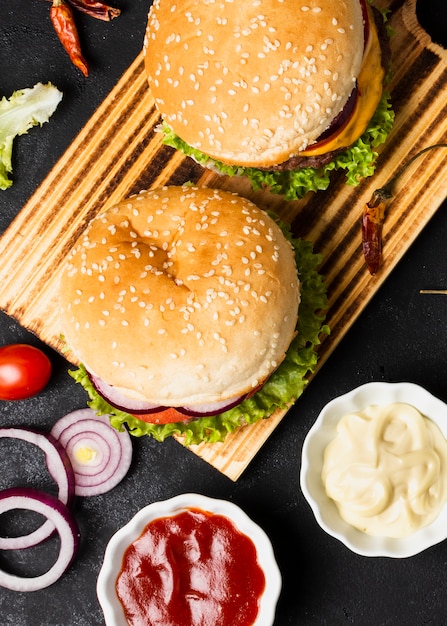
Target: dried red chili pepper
(96,9)
(64,24)
(374,216)
(372,226)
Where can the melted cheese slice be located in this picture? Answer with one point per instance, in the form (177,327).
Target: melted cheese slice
(369,82)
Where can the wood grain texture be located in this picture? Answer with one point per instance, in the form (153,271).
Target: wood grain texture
(97,169)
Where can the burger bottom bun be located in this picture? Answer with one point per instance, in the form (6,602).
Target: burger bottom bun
(181,295)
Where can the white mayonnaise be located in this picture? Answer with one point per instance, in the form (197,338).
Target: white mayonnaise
(386,470)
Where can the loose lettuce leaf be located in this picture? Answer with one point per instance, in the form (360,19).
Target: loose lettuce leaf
(23,110)
(285,385)
(358,161)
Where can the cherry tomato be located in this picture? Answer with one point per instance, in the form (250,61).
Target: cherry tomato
(24,371)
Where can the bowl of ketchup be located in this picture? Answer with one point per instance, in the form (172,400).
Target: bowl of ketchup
(189,560)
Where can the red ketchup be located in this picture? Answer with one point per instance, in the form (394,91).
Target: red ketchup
(194,568)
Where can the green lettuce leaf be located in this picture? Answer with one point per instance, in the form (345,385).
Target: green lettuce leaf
(284,386)
(358,161)
(23,110)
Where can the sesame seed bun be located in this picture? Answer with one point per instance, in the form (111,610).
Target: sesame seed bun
(181,295)
(253,83)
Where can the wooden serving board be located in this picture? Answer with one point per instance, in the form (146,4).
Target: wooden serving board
(98,168)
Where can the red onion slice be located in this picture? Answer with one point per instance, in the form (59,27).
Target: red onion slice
(139,407)
(59,466)
(59,516)
(100,455)
(341,118)
(210,408)
(119,400)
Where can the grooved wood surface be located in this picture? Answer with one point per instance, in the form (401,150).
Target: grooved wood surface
(97,169)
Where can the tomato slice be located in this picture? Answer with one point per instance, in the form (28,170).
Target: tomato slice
(24,371)
(166,416)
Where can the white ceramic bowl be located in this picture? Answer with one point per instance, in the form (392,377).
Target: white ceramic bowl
(110,604)
(323,431)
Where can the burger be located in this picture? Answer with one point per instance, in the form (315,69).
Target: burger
(281,91)
(191,312)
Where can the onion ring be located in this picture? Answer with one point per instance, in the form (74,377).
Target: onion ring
(100,455)
(60,518)
(60,469)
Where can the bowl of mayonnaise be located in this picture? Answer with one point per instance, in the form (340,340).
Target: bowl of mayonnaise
(374,469)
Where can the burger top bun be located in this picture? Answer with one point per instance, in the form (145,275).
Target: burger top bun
(255,82)
(181,295)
